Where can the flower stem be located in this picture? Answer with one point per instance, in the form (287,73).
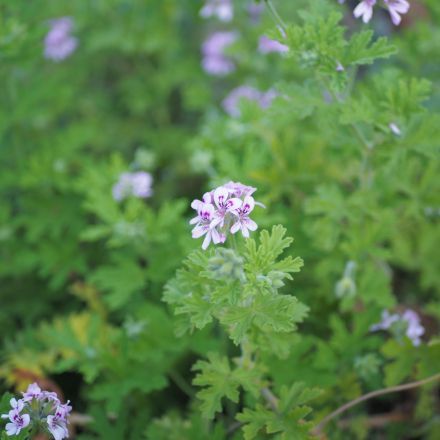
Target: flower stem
(276,16)
(271,399)
(181,383)
(318,429)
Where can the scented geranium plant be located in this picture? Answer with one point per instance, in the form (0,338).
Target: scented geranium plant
(37,412)
(237,285)
(156,158)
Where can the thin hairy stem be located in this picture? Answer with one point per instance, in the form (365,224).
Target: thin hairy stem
(270,398)
(181,383)
(276,16)
(318,429)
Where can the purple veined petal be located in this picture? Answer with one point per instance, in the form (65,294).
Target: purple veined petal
(194,220)
(248,205)
(221,195)
(233,204)
(208,197)
(26,419)
(207,211)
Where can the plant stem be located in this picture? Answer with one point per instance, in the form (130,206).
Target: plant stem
(318,429)
(276,16)
(181,383)
(271,399)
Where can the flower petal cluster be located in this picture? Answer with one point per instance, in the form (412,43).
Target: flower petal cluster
(59,43)
(39,408)
(231,103)
(267,45)
(222,9)
(17,421)
(395,8)
(214,60)
(136,184)
(224,210)
(410,319)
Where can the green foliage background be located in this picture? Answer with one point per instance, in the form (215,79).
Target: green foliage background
(88,285)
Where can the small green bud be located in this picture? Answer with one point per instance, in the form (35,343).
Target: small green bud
(226,264)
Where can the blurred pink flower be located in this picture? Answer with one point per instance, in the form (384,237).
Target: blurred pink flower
(59,43)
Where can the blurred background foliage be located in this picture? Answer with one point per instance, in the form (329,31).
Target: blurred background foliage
(82,275)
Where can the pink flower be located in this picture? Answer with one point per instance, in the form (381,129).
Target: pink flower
(231,103)
(33,392)
(365,10)
(395,8)
(224,206)
(238,189)
(414,329)
(133,184)
(57,423)
(59,43)
(222,9)
(57,427)
(214,60)
(244,223)
(205,215)
(267,45)
(229,204)
(17,421)
(255,10)
(387,321)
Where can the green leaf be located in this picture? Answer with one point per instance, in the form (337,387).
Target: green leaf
(289,419)
(360,50)
(121,280)
(268,313)
(217,378)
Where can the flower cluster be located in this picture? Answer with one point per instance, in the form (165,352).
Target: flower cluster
(395,8)
(267,45)
(224,210)
(59,43)
(214,60)
(409,320)
(136,184)
(231,103)
(40,410)
(222,9)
